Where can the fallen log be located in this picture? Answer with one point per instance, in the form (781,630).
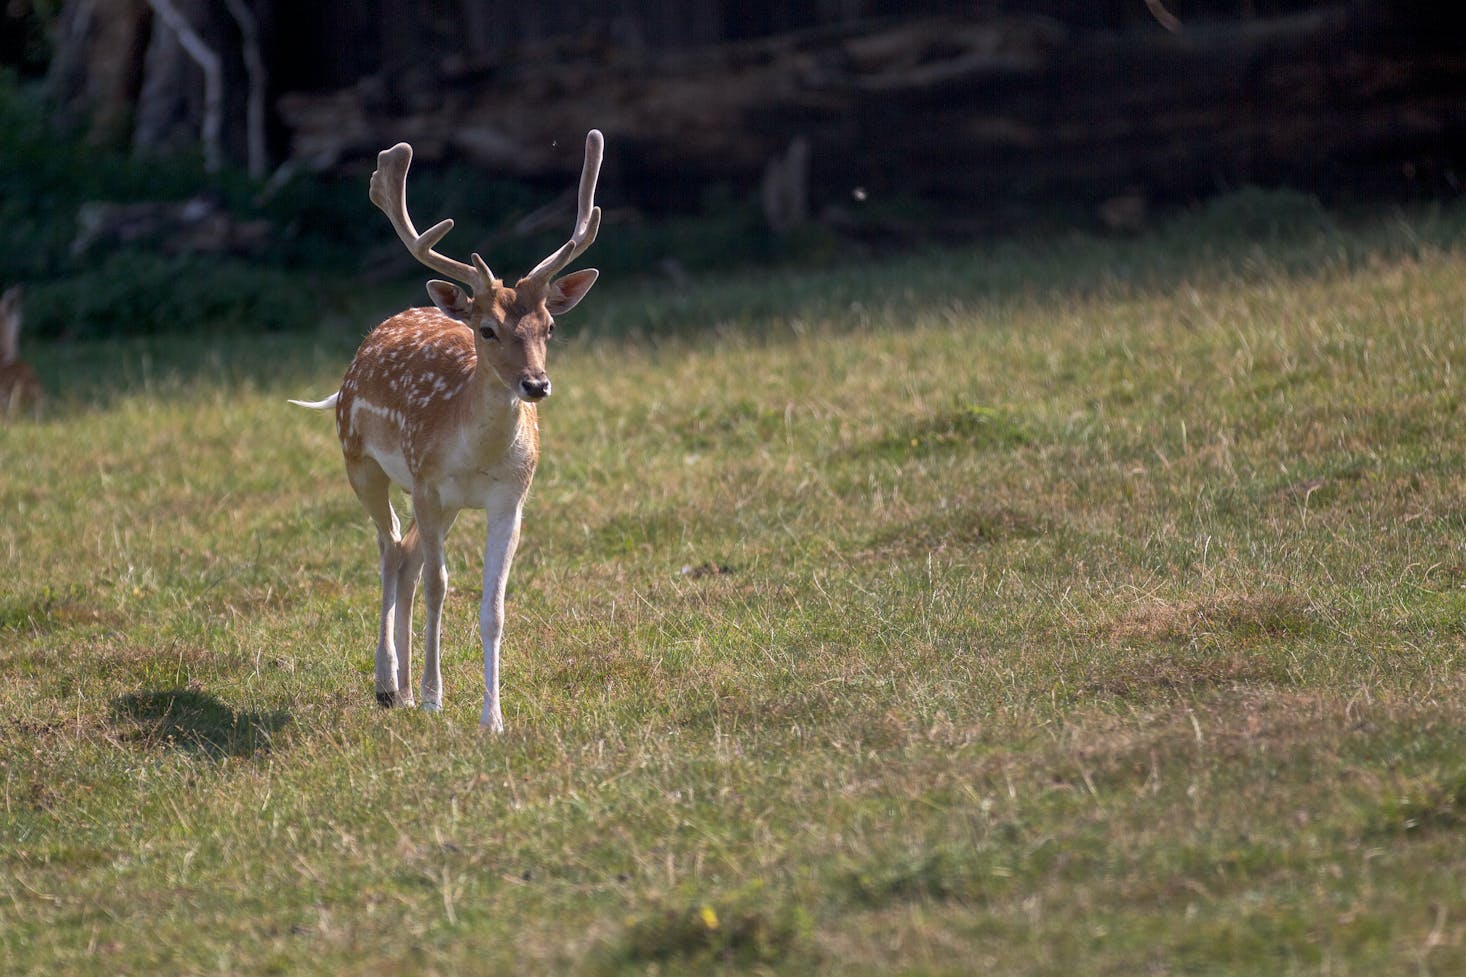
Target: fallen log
(981,114)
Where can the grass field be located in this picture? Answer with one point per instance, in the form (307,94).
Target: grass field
(1070,608)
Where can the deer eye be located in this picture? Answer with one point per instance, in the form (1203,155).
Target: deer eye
(488,333)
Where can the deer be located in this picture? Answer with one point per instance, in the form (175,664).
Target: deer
(442,401)
(19,386)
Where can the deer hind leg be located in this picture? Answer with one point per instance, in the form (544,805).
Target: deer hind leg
(371,486)
(409,569)
(431,523)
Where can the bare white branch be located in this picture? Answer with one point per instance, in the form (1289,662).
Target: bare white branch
(208,61)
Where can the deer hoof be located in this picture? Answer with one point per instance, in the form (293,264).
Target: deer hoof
(386,699)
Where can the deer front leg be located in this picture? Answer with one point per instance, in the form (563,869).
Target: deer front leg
(503,538)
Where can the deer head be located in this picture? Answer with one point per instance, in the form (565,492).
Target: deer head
(510,324)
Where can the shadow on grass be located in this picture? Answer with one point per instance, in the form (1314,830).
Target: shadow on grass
(963,427)
(195,722)
(699,937)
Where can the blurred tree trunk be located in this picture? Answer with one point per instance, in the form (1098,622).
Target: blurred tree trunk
(248,22)
(93,76)
(167,75)
(172,106)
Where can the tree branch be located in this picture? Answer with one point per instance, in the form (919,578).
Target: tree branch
(254,68)
(208,62)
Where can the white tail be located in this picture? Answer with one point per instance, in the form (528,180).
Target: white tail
(326,404)
(441,401)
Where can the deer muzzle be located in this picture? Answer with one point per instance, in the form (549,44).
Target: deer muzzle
(534,386)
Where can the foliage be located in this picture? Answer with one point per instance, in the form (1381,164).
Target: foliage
(1253,214)
(324,233)
(27,41)
(329,250)
(120,290)
(45,176)
(131,291)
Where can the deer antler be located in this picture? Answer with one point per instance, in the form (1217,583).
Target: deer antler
(389,192)
(587,218)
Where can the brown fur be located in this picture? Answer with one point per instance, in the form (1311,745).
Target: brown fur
(20,388)
(423,366)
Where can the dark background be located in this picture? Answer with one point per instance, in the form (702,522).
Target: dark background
(957,101)
(838,126)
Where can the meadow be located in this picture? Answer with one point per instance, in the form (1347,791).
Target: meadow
(1065,607)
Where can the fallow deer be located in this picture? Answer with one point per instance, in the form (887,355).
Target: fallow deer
(441,401)
(19,386)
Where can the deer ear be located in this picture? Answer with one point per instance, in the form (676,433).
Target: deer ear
(10,325)
(450,299)
(565,293)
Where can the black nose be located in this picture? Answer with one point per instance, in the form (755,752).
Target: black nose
(535,389)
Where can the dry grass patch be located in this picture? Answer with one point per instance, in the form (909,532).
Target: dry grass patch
(49,611)
(1194,646)
(1143,675)
(1228,617)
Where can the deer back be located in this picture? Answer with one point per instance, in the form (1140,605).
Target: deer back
(417,400)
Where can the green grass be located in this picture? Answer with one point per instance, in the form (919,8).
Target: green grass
(1068,608)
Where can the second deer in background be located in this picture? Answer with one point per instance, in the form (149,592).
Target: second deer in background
(20,389)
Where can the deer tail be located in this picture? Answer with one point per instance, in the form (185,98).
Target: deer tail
(326,404)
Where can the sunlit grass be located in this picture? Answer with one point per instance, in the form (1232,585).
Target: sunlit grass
(1082,608)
